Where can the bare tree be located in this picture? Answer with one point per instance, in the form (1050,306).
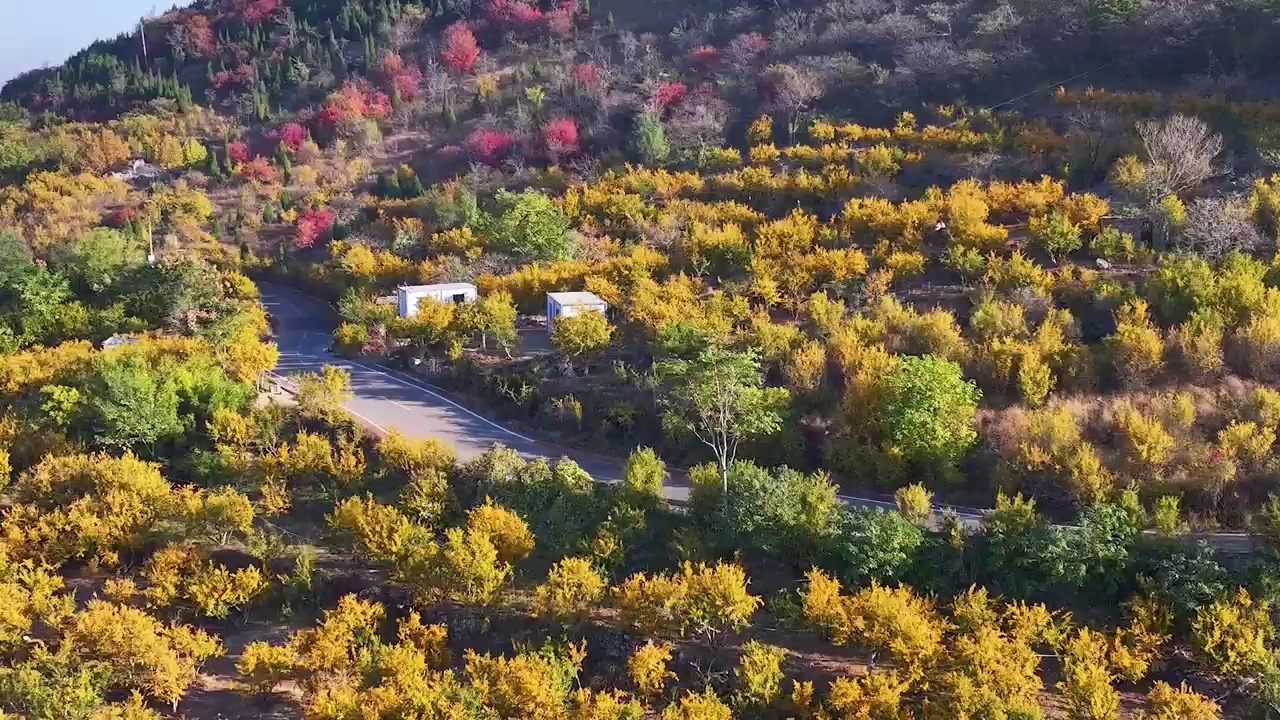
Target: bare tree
(289,23)
(789,90)
(1216,226)
(1180,153)
(177,39)
(1094,139)
(697,124)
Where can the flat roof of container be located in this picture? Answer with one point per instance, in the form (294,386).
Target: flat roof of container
(439,286)
(576,298)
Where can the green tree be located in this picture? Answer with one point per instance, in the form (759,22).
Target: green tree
(720,398)
(1055,234)
(781,513)
(15,259)
(321,394)
(873,545)
(531,227)
(36,304)
(494,317)
(94,260)
(649,139)
(582,335)
(644,473)
(132,407)
(928,413)
(1108,13)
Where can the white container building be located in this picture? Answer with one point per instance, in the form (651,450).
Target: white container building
(407,297)
(568,304)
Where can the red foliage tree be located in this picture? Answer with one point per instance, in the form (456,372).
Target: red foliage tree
(514,15)
(120,217)
(489,146)
(746,48)
(560,136)
(354,101)
(198,35)
(586,74)
(311,225)
(668,94)
(460,50)
(238,151)
(258,170)
(253,12)
(242,76)
(560,22)
(292,135)
(705,58)
(400,77)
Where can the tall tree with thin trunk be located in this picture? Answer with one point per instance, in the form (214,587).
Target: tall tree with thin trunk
(720,398)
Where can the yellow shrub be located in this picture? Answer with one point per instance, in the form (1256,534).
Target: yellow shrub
(573,586)
(869,697)
(588,704)
(119,589)
(715,597)
(893,620)
(1086,681)
(759,674)
(469,567)
(529,686)
(508,533)
(966,211)
(143,654)
(986,674)
(1085,209)
(1017,272)
(766,154)
(1234,634)
(215,591)
(1198,343)
(430,640)
(760,131)
(650,603)
(915,503)
(263,666)
(1259,341)
(647,668)
(1146,443)
(1246,444)
(1136,349)
(1181,703)
(805,366)
(692,706)
(378,531)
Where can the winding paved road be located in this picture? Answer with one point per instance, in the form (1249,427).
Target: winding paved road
(386,400)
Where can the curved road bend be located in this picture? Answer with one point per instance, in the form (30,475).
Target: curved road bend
(392,401)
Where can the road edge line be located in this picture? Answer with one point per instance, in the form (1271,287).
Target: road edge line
(424,387)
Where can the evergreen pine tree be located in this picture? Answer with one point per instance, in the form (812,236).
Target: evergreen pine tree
(412,188)
(286,165)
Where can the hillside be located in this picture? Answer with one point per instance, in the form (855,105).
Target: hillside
(1009,254)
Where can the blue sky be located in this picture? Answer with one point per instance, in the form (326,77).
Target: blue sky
(34,33)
